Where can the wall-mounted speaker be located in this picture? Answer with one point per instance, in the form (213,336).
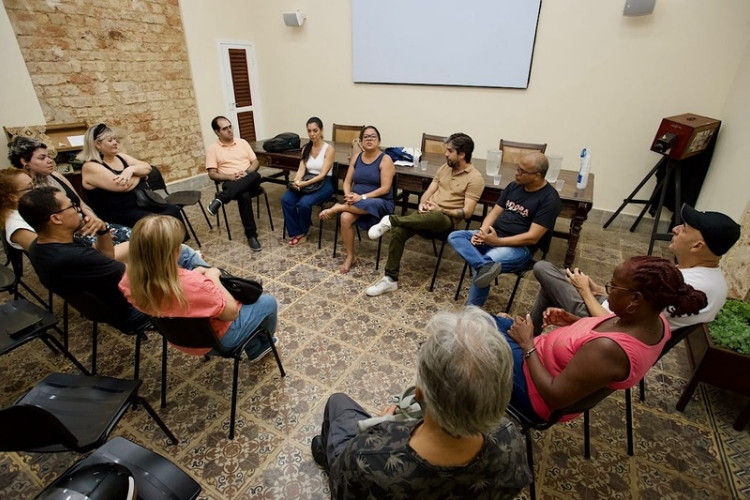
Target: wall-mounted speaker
(294,19)
(638,7)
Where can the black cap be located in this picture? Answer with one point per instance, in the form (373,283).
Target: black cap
(719,231)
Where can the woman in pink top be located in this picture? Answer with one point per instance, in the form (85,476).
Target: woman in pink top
(155,285)
(555,370)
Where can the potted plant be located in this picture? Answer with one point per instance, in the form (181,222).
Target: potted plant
(731,328)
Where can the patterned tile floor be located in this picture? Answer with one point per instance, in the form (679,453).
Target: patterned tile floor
(334,338)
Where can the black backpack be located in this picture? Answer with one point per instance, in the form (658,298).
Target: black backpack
(282,142)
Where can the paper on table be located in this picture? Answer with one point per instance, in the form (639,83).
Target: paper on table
(75,140)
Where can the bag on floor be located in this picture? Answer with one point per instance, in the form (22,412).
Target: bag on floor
(245,290)
(283,142)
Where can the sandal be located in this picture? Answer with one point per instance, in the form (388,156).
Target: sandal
(297,240)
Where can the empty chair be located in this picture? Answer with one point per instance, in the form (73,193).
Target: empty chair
(346,133)
(513,151)
(155,477)
(433,144)
(70,412)
(179,198)
(198,333)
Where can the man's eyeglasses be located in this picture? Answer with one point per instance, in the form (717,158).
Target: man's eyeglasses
(369,137)
(522,171)
(608,286)
(74,206)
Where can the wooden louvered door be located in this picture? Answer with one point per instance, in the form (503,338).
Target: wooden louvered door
(240,84)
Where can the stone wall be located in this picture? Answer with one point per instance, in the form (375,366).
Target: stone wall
(122,62)
(736,263)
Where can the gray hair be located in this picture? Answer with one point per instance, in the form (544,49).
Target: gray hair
(23,148)
(465,372)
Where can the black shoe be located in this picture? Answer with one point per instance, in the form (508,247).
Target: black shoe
(254,244)
(214,206)
(319,452)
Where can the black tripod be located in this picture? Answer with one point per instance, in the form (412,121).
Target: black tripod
(672,166)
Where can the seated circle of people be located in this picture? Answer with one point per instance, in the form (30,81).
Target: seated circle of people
(451,198)
(554,370)
(506,241)
(698,244)
(154,284)
(315,169)
(66,264)
(463,447)
(368,194)
(110,177)
(231,162)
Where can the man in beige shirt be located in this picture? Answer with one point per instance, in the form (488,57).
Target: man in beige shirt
(231,161)
(451,197)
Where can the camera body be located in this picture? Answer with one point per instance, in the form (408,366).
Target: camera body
(684,135)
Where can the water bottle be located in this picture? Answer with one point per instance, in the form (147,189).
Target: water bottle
(583,173)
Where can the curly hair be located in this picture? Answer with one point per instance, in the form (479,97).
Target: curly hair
(662,285)
(9,187)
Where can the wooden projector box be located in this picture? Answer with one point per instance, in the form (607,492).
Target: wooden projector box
(687,135)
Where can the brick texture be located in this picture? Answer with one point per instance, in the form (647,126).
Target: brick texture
(120,62)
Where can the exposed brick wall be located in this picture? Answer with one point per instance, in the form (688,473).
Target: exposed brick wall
(123,62)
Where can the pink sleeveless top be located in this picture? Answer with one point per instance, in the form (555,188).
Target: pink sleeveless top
(557,348)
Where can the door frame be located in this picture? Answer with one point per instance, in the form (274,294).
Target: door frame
(223,45)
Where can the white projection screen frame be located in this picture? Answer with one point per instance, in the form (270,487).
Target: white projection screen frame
(474,43)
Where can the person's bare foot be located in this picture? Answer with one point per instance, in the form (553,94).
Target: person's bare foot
(347,265)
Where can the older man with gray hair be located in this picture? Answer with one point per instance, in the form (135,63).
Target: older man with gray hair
(463,447)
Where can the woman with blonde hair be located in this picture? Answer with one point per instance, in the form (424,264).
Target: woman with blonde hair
(154,284)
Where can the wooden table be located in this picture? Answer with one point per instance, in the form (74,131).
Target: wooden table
(576,203)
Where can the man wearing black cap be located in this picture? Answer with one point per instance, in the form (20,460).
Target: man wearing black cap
(697,244)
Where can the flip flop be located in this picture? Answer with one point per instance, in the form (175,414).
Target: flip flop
(297,240)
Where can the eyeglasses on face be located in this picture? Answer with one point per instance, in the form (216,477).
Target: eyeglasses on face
(524,172)
(609,286)
(74,206)
(370,137)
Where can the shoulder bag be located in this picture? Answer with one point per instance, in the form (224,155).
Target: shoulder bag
(147,199)
(245,290)
(310,188)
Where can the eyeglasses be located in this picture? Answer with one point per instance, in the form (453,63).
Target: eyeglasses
(370,137)
(522,171)
(74,206)
(608,286)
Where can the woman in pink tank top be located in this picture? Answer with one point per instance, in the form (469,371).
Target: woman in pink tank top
(555,370)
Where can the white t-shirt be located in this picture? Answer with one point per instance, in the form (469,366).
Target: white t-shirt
(13,223)
(708,280)
(313,165)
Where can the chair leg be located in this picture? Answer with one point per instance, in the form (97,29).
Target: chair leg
(320,232)
(586,435)
(336,235)
(205,215)
(530,458)
(629,420)
(65,323)
(190,226)
(157,419)
(268,209)
(226,221)
(642,389)
(269,336)
(163,372)
(513,294)
(49,338)
(437,265)
(461,281)
(377,256)
(94,342)
(235,378)
(137,363)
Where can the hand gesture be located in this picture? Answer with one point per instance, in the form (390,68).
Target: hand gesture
(522,332)
(579,280)
(428,206)
(90,225)
(558,317)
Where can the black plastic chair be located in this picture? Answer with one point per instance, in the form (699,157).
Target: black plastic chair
(582,406)
(70,412)
(155,476)
(544,244)
(180,198)
(42,320)
(256,195)
(198,333)
(98,311)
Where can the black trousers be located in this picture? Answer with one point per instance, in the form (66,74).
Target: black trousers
(242,190)
(340,423)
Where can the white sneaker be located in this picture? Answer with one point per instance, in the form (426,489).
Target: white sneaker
(380,229)
(385,285)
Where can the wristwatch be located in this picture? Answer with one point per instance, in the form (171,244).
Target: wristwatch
(104,231)
(364,196)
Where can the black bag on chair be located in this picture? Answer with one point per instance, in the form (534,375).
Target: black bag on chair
(282,142)
(245,290)
(148,199)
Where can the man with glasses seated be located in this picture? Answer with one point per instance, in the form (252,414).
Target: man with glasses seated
(507,238)
(66,264)
(698,244)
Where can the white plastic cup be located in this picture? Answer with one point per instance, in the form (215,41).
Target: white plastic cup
(423,165)
(496,179)
(555,165)
(559,184)
(494,159)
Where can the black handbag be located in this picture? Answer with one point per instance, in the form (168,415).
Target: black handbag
(310,188)
(245,290)
(147,199)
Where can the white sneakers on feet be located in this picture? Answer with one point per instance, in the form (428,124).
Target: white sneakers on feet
(380,229)
(385,285)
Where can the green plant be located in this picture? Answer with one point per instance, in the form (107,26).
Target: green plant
(731,328)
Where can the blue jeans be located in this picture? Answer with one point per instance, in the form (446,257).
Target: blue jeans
(251,316)
(190,259)
(520,395)
(297,207)
(511,259)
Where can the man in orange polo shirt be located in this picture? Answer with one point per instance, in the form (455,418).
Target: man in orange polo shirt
(232,162)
